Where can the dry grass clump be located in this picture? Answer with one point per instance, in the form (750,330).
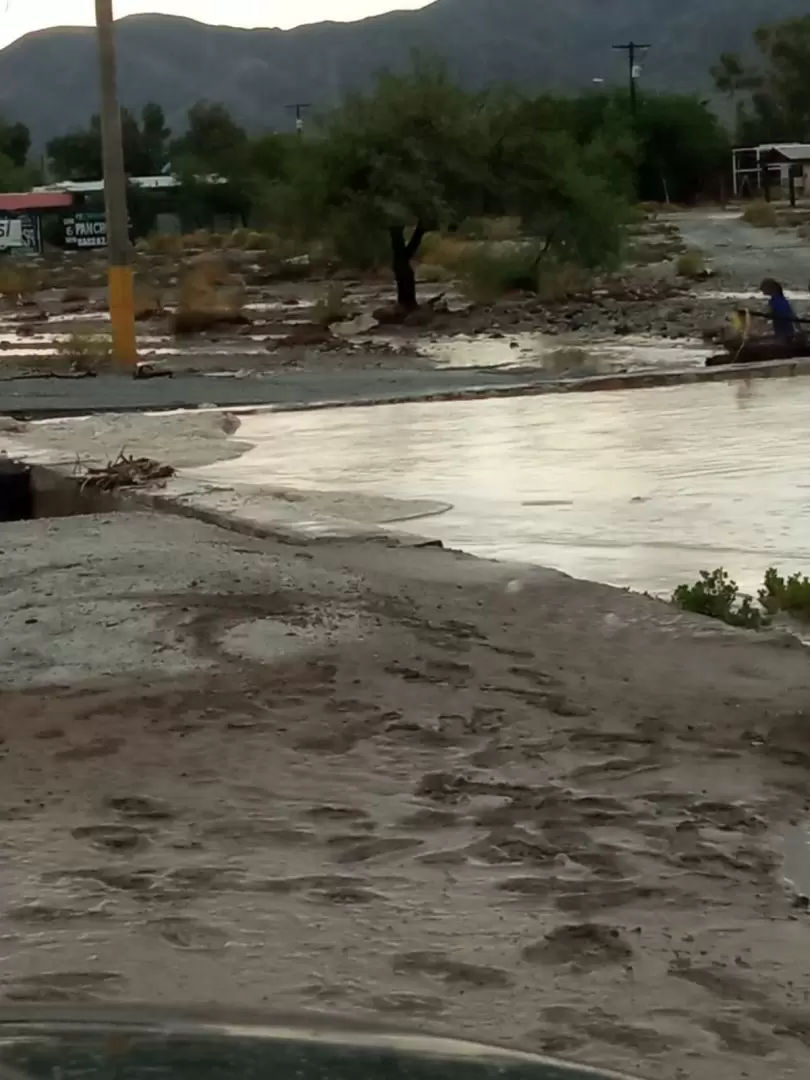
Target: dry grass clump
(19,281)
(691,264)
(205,300)
(85,351)
(761,214)
(331,307)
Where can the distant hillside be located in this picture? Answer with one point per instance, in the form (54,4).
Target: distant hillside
(49,80)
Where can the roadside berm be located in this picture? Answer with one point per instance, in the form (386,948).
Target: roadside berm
(402,783)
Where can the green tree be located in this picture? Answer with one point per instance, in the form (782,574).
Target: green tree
(773,94)
(674,148)
(568,185)
(78,155)
(145,142)
(270,155)
(213,144)
(396,162)
(682,148)
(418,153)
(16,172)
(15,143)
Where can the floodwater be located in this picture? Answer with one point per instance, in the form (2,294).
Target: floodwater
(796,853)
(639,488)
(559,356)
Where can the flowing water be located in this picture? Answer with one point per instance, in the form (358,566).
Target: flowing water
(641,488)
(561,356)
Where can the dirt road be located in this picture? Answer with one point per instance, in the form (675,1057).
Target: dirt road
(744,255)
(400,783)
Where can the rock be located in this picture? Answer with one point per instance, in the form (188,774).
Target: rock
(147,369)
(361,324)
(198,321)
(464,307)
(306,335)
(390,315)
(9,425)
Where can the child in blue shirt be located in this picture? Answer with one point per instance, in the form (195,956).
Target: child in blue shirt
(782,316)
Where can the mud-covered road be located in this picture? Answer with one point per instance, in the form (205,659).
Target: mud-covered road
(400,784)
(744,255)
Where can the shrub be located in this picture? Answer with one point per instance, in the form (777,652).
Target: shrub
(162,244)
(73,294)
(691,264)
(568,360)
(718,597)
(357,246)
(204,301)
(489,273)
(557,282)
(85,351)
(430,273)
(148,301)
(261,241)
(237,238)
(791,595)
(494,229)
(18,281)
(331,308)
(439,249)
(761,214)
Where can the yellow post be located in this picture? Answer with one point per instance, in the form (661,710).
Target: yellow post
(122,314)
(119,251)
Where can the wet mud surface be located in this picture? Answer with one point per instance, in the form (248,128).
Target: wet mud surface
(548,817)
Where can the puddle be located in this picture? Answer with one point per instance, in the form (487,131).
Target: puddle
(796,854)
(560,357)
(479,351)
(640,488)
(645,354)
(78,316)
(730,294)
(280,305)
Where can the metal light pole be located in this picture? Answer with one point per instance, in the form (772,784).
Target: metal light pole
(119,251)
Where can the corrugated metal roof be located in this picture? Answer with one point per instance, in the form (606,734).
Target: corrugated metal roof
(790,151)
(35,200)
(86,187)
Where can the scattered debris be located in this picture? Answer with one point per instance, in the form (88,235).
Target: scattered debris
(360,324)
(126,471)
(146,369)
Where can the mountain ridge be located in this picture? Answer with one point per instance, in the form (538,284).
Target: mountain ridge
(48,79)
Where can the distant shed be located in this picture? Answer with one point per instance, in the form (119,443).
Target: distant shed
(757,169)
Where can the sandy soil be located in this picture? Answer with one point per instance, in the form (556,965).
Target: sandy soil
(402,783)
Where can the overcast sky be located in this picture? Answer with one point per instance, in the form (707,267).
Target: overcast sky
(19,16)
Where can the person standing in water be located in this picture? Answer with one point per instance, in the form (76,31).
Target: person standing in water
(781,313)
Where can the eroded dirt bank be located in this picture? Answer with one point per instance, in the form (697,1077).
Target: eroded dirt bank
(398,782)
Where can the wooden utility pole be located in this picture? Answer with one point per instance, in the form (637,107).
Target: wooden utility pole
(632,48)
(119,251)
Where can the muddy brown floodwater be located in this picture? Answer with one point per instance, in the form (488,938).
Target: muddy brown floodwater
(639,488)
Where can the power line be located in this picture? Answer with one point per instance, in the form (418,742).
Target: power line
(632,48)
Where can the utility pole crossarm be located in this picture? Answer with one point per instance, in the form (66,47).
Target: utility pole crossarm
(632,48)
(299,107)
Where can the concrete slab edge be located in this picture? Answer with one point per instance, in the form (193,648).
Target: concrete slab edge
(640,380)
